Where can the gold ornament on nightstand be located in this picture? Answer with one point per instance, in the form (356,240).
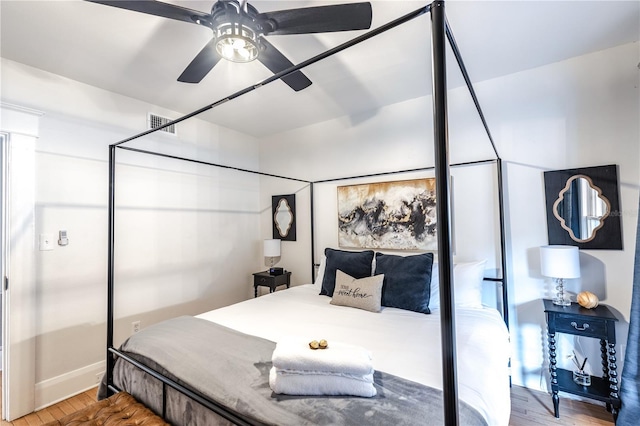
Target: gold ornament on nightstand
(588,300)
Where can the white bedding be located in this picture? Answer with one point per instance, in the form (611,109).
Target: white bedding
(403,343)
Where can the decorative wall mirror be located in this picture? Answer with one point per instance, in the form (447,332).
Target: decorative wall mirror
(583,208)
(283,209)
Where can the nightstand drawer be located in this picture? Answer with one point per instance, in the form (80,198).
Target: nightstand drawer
(263,280)
(272,281)
(592,327)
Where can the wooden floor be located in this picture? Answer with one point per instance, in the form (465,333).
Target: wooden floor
(532,408)
(54,412)
(528,408)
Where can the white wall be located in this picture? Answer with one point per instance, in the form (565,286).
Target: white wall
(295,256)
(338,148)
(577,113)
(193,232)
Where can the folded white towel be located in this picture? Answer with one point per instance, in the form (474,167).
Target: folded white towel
(362,378)
(294,354)
(320,384)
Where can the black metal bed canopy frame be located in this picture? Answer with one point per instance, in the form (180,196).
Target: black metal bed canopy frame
(440,33)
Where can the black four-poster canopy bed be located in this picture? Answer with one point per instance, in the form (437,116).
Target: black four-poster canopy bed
(453,411)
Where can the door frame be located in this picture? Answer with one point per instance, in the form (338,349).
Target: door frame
(18,322)
(4,253)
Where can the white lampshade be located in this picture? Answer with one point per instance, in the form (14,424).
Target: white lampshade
(271,248)
(560,261)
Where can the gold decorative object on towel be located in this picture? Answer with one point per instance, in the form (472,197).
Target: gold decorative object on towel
(322,344)
(588,300)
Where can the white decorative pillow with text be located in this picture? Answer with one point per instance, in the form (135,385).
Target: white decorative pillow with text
(363,293)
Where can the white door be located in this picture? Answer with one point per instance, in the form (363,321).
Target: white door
(20,127)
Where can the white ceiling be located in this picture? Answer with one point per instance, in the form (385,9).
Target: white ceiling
(141,56)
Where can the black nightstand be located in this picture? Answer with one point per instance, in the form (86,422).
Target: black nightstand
(272,281)
(598,323)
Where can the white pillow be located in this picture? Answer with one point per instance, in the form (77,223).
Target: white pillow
(320,274)
(467,281)
(434,299)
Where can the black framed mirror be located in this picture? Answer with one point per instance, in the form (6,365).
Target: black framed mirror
(583,207)
(283,213)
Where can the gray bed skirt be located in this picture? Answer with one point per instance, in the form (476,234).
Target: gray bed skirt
(232,368)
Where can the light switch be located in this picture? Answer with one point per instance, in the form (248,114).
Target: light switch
(46,242)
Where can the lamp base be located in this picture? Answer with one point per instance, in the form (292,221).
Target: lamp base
(559,299)
(561,302)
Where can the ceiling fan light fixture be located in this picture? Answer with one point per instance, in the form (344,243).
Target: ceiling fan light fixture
(237,42)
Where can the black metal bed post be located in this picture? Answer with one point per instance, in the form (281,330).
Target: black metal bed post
(313,242)
(503,243)
(445,258)
(110,265)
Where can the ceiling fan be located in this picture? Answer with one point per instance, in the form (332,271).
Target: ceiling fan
(239,30)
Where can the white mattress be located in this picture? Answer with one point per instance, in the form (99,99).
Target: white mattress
(403,343)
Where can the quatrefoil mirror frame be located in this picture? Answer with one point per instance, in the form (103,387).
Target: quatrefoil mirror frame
(602,182)
(283,215)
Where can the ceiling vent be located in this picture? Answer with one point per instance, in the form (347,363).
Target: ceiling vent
(154,121)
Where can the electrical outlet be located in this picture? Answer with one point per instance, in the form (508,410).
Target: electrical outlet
(135,326)
(99,377)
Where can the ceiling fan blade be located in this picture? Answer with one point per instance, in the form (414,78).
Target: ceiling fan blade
(320,19)
(273,59)
(201,64)
(157,8)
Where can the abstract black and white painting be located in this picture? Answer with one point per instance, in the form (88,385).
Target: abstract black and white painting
(397,215)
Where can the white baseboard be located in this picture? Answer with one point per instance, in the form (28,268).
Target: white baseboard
(56,389)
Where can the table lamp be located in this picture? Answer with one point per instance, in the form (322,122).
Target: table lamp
(560,263)
(271,250)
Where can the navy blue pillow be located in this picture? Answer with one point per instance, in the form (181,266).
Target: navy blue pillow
(407,281)
(354,263)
